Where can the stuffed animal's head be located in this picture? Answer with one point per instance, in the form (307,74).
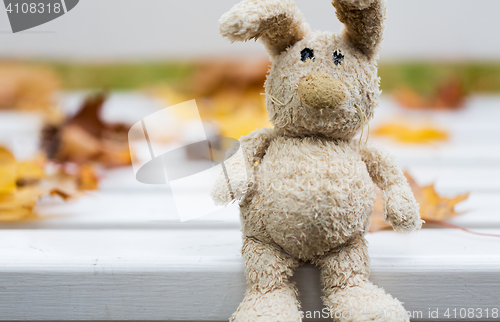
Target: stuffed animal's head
(321,83)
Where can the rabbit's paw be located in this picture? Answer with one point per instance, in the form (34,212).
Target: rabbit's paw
(401,209)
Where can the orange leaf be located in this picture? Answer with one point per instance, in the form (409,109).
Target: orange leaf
(87,178)
(433,207)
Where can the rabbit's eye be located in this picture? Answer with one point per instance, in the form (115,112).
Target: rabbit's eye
(306,54)
(338,58)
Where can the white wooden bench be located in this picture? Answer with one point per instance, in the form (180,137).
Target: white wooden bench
(120,253)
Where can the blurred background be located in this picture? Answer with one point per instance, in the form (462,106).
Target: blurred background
(70,89)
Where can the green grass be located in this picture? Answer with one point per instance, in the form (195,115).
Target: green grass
(477,77)
(124,76)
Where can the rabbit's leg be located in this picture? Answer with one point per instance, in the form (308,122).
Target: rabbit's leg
(270,295)
(348,293)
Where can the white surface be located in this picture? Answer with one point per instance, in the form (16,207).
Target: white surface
(159,29)
(156,210)
(121,253)
(198,274)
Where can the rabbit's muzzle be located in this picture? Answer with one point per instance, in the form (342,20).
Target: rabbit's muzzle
(320,90)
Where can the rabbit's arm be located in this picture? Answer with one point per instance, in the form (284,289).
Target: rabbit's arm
(364,23)
(277,23)
(256,143)
(401,208)
(237,178)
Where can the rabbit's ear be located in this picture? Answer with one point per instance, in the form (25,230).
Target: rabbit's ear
(364,23)
(277,23)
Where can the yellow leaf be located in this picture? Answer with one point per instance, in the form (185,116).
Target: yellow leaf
(8,172)
(19,205)
(242,123)
(22,184)
(406,133)
(30,171)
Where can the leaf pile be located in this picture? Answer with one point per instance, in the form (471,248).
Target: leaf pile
(433,207)
(227,93)
(86,138)
(450,95)
(22,184)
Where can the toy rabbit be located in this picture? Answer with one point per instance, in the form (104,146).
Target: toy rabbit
(307,187)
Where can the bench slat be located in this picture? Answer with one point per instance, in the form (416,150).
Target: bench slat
(156,210)
(198,274)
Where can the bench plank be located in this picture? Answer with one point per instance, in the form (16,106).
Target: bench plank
(156,210)
(198,274)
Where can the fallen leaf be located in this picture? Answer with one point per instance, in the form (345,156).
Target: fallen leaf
(27,87)
(433,207)
(86,138)
(8,172)
(405,132)
(449,95)
(87,178)
(31,171)
(228,94)
(19,204)
(22,184)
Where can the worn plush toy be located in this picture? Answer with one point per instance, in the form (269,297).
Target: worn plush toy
(307,187)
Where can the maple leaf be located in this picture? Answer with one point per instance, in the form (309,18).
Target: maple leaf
(22,184)
(86,138)
(433,207)
(19,204)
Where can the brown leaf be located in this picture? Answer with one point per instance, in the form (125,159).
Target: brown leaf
(70,182)
(450,95)
(86,138)
(214,77)
(88,117)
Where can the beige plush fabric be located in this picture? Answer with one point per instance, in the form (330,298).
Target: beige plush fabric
(306,188)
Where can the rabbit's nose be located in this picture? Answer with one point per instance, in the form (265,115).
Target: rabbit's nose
(320,90)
